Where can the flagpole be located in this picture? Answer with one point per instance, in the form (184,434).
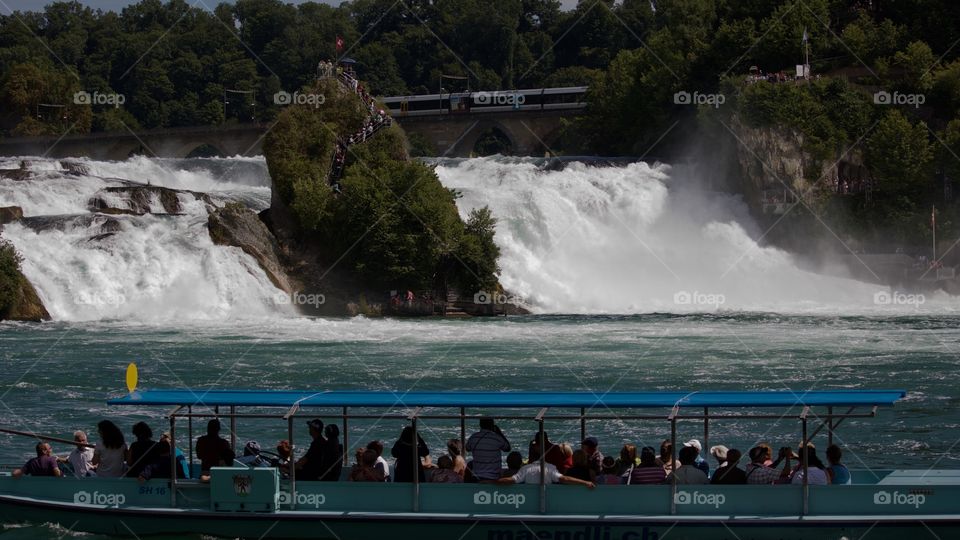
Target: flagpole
(933,225)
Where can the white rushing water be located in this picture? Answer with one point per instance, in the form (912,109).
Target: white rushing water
(139,268)
(637,239)
(633,239)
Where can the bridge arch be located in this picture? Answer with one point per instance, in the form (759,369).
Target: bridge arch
(480,131)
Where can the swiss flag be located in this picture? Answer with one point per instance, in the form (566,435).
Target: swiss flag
(339,43)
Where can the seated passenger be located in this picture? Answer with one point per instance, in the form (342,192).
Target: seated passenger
(648,471)
(666,457)
(555,454)
(310,466)
(212,449)
(403,451)
(42,465)
(688,473)
(838,472)
(81,457)
(184,467)
(445,473)
(160,468)
(581,467)
(514,463)
(455,451)
(591,446)
(284,451)
(381,464)
(816,473)
(609,474)
(627,459)
(530,474)
(757,471)
(487,446)
(366,469)
(700,462)
(729,473)
(143,451)
(110,454)
(332,454)
(251,455)
(719,452)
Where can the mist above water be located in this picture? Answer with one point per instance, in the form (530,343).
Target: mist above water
(635,239)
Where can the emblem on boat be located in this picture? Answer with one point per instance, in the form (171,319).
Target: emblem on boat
(242,483)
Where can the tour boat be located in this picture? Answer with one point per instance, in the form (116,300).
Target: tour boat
(259,503)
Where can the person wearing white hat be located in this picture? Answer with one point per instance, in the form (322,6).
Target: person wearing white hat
(720,453)
(700,463)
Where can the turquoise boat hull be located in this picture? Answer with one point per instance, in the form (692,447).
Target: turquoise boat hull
(907,504)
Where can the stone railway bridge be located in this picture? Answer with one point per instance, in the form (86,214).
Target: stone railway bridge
(530,133)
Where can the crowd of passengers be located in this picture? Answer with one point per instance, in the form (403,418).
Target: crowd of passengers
(145,458)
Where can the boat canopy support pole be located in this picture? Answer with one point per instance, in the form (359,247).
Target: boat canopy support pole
(190,434)
(346,438)
(233,428)
(804,462)
(293,462)
(673,458)
(415,446)
(706,428)
(173,459)
(293,455)
(583,423)
(463,432)
(542,438)
(830,425)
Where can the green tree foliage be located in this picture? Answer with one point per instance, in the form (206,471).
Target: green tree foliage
(393,225)
(900,155)
(10,277)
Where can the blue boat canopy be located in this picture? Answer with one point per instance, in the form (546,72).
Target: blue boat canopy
(490,399)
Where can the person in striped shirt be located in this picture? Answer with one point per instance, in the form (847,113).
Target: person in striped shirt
(648,472)
(487,446)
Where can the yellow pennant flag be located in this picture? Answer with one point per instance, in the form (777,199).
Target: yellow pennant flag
(132,376)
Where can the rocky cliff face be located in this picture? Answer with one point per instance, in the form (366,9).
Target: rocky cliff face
(775,167)
(236,225)
(28,306)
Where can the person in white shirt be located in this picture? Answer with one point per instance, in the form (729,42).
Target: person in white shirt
(816,472)
(81,458)
(530,474)
(381,464)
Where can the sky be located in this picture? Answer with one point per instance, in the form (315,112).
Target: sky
(6,6)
